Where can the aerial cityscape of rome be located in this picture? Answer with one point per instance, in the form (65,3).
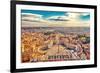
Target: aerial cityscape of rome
(48,36)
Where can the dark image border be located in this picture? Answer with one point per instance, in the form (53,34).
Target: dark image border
(13,36)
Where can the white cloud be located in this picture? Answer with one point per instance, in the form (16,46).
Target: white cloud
(85,14)
(32,17)
(33,20)
(69,16)
(58,18)
(76,15)
(71,19)
(73,15)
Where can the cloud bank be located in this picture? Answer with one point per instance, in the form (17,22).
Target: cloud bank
(69,19)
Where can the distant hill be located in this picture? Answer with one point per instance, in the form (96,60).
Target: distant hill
(57,29)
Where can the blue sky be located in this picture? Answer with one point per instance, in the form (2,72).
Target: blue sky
(87,17)
(47,14)
(56,18)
